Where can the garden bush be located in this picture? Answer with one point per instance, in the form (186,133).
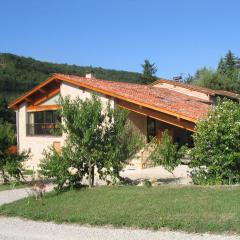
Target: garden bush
(216,152)
(11,163)
(165,152)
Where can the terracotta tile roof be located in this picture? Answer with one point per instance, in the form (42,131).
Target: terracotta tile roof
(191,108)
(187,86)
(227,94)
(208,91)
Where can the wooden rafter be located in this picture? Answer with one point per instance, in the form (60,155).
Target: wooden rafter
(28,99)
(47,96)
(181,123)
(43,91)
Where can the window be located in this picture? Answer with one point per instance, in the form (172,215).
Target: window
(151,128)
(43,123)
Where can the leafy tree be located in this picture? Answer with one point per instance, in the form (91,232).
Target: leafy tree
(209,79)
(97,138)
(149,70)
(6,114)
(165,152)
(216,155)
(227,76)
(11,163)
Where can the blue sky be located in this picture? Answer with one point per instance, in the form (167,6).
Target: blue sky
(179,36)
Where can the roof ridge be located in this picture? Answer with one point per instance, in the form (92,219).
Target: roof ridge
(185,85)
(99,79)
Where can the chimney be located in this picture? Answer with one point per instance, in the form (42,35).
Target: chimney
(90,75)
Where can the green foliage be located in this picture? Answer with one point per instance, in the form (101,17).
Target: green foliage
(11,164)
(149,70)
(147,183)
(230,62)
(165,152)
(6,114)
(56,166)
(227,76)
(216,155)
(97,139)
(221,69)
(6,137)
(20,74)
(209,79)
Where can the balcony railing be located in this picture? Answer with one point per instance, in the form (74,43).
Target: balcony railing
(43,129)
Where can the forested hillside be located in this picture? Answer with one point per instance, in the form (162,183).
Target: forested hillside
(19,74)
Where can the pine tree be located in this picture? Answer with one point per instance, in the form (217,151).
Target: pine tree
(149,70)
(221,67)
(230,62)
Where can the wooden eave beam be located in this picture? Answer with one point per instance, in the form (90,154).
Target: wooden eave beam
(172,120)
(42,108)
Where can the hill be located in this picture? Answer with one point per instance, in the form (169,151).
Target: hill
(19,74)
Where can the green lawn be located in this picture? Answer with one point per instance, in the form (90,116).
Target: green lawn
(192,209)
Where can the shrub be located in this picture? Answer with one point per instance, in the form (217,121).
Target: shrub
(216,154)
(147,183)
(55,166)
(11,163)
(165,152)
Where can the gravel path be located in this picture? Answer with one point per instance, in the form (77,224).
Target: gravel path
(19,229)
(8,196)
(180,174)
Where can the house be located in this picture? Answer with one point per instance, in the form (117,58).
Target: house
(165,104)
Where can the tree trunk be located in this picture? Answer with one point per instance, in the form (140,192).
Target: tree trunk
(92,180)
(89,174)
(5,179)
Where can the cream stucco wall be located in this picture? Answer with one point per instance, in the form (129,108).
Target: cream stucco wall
(73,92)
(36,144)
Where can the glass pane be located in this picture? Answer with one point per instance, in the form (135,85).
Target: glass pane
(43,123)
(39,117)
(49,117)
(151,128)
(30,118)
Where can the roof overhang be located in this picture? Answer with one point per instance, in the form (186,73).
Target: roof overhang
(46,88)
(42,91)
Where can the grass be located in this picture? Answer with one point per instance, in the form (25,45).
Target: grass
(192,209)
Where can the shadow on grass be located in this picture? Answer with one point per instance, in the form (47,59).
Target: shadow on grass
(128,181)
